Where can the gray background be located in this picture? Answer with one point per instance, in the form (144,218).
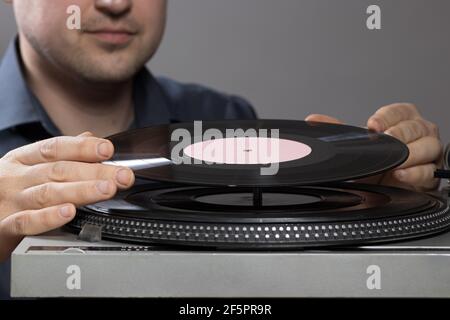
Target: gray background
(294,57)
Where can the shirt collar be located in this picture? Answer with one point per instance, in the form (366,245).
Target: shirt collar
(19,105)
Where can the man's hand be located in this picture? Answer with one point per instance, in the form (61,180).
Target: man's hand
(404,122)
(41,184)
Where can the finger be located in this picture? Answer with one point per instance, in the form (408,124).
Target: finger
(85,149)
(71,171)
(322,118)
(33,222)
(420,177)
(79,193)
(390,115)
(423,151)
(409,130)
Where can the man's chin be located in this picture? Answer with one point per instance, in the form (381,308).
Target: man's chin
(107,73)
(108,77)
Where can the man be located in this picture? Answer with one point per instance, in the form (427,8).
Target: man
(78,85)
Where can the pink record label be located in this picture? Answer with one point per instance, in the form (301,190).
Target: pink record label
(247,150)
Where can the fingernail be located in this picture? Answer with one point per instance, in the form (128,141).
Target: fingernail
(104,149)
(66,212)
(104,187)
(376,125)
(400,174)
(85,134)
(123,176)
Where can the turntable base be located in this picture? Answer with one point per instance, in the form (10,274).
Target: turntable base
(59,265)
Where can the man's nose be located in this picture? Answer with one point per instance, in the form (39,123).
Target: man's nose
(113,7)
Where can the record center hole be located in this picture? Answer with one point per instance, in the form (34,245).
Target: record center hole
(268,199)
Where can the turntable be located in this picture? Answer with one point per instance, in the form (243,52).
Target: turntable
(266,208)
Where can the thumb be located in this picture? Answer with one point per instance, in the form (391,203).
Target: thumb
(322,118)
(31,222)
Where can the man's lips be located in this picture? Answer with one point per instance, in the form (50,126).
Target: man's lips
(118,37)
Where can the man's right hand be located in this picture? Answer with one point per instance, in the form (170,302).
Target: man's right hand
(41,184)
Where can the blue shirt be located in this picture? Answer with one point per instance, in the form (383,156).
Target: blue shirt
(157,100)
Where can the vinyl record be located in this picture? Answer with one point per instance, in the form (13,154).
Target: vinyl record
(264,218)
(283,152)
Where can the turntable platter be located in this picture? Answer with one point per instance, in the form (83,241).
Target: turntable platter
(338,214)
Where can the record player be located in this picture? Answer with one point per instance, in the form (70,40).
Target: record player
(202,223)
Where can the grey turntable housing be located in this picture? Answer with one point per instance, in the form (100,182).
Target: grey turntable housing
(59,265)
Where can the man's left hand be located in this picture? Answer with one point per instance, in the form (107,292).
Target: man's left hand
(404,122)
